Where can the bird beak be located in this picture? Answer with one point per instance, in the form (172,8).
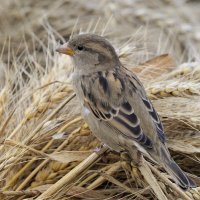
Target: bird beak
(65,50)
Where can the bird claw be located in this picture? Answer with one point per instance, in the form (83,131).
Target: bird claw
(98,149)
(137,158)
(125,156)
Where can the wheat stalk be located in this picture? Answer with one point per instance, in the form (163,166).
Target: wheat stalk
(73,173)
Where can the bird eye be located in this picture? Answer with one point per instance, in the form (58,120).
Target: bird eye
(80,47)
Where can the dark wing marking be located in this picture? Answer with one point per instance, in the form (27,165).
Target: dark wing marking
(133,130)
(155,118)
(134,84)
(126,124)
(104,83)
(129,118)
(144,140)
(119,116)
(136,130)
(126,107)
(161,134)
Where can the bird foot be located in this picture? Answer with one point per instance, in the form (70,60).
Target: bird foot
(140,158)
(125,156)
(137,158)
(98,149)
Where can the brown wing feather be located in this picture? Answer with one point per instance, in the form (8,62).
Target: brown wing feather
(109,103)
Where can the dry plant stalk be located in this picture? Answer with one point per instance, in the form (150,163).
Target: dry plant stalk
(73,174)
(36,115)
(151,180)
(74,170)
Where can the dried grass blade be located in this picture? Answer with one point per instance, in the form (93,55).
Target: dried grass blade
(18,144)
(166,180)
(151,180)
(116,182)
(69,156)
(73,174)
(183,147)
(82,193)
(42,164)
(21,171)
(101,179)
(52,115)
(155,67)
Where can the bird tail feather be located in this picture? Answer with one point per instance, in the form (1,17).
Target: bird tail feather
(176,172)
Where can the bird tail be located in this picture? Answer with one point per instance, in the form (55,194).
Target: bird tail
(176,172)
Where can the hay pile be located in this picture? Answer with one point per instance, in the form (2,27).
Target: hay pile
(46,148)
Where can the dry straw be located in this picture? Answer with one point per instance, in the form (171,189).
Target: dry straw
(47,150)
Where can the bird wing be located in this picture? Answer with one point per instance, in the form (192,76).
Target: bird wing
(117,98)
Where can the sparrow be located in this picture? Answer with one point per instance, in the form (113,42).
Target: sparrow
(115,105)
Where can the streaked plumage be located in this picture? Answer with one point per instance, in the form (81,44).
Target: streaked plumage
(115,104)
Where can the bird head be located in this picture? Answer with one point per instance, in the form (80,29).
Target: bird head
(90,51)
